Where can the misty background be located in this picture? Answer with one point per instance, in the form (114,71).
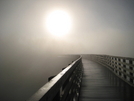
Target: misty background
(99,27)
(28,52)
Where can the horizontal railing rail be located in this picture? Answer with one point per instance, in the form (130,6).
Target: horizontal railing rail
(123,67)
(63,87)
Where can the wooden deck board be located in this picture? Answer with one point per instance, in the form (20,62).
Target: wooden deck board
(100,84)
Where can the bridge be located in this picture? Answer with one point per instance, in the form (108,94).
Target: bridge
(91,78)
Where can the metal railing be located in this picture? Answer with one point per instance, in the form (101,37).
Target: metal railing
(123,67)
(63,87)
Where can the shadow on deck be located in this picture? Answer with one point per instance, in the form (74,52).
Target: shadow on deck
(100,84)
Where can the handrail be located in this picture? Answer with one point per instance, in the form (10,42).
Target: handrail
(123,67)
(63,87)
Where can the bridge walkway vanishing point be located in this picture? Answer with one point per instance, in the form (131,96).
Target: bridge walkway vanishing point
(100,84)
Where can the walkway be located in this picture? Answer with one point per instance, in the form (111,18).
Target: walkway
(100,84)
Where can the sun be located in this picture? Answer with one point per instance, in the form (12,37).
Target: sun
(58,23)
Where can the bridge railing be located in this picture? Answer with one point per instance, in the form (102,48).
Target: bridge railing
(123,67)
(63,87)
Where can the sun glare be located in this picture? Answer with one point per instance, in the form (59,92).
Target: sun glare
(58,23)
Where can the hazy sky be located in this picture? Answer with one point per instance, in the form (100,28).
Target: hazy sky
(99,27)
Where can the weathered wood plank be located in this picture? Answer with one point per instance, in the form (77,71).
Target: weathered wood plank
(100,84)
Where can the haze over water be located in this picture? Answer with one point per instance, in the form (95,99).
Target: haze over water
(22,77)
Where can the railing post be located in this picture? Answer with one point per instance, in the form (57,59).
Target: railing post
(124,76)
(132,69)
(57,97)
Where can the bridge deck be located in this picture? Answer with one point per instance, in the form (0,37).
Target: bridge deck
(100,84)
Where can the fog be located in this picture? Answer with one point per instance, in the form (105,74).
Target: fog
(28,52)
(99,27)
